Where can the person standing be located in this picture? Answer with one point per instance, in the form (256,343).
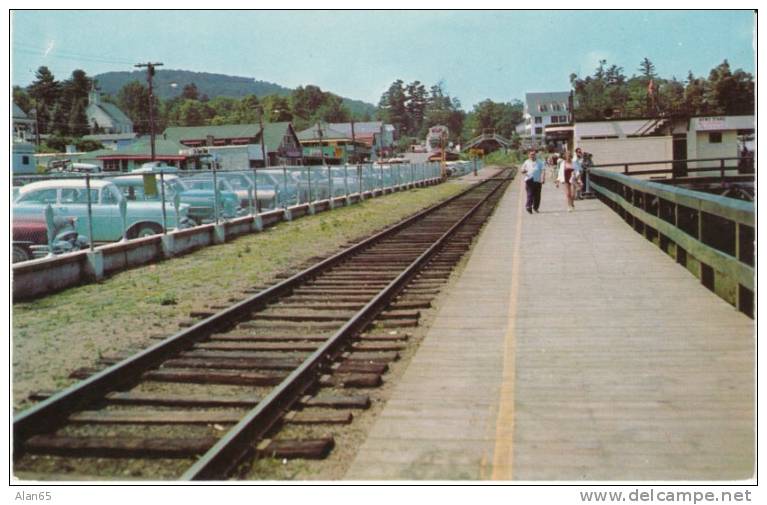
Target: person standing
(568,178)
(534,177)
(578,170)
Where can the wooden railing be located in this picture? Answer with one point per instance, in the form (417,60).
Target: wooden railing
(680,168)
(716,231)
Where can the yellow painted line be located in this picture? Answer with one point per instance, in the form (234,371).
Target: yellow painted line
(503,454)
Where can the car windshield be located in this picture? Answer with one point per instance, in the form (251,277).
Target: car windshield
(39,196)
(238,181)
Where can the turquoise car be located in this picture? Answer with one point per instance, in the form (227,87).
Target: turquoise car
(69,198)
(199,198)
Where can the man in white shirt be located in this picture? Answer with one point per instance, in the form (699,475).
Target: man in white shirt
(534,177)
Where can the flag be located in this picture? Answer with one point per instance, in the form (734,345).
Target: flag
(651,87)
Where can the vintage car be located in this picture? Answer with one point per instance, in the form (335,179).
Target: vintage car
(242,184)
(30,238)
(200,200)
(69,198)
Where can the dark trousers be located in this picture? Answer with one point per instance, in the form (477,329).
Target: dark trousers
(533,194)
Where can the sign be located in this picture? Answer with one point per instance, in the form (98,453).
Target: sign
(150,185)
(711,123)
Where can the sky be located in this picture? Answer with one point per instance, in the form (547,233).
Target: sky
(476,55)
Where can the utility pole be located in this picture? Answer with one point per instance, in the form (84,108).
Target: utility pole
(354,144)
(149,75)
(322,151)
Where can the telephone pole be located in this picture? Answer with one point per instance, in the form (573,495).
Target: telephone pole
(149,75)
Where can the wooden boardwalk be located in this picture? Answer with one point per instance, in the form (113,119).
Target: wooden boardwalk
(571,348)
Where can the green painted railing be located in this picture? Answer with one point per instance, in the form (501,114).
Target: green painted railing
(717,231)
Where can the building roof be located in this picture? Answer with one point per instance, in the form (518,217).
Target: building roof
(273,133)
(225,131)
(328,133)
(624,128)
(364,128)
(113,111)
(532,100)
(18,112)
(110,136)
(140,149)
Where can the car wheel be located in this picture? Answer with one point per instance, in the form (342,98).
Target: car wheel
(20,254)
(146,230)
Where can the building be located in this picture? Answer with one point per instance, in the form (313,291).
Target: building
(104,117)
(371,133)
(323,142)
(24,126)
(130,157)
(667,139)
(23,158)
(541,110)
(720,137)
(238,146)
(112,141)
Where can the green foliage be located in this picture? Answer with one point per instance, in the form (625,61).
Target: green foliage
(489,116)
(608,93)
(88,145)
(500,157)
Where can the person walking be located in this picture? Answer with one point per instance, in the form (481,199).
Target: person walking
(568,177)
(578,168)
(534,177)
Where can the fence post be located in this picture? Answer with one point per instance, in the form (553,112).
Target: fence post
(215,195)
(285,186)
(721,168)
(90,210)
(626,168)
(255,190)
(162,193)
(346,180)
(309,178)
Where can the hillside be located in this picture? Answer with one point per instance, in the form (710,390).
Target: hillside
(170,83)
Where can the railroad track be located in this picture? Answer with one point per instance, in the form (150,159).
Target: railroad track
(254,378)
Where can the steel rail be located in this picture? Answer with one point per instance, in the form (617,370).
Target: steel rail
(233,447)
(50,414)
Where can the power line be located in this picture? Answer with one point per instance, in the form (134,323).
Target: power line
(66,55)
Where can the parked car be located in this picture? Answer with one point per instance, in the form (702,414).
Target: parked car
(200,190)
(69,198)
(155,167)
(200,201)
(242,184)
(30,238)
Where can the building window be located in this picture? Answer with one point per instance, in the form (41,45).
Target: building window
(563,119)
(538,120)
(555,119)
(557,107)
(715,138)
(25,160)
(538,131)
(543,108)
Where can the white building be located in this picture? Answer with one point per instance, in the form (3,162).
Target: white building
(104,117)
(541,110)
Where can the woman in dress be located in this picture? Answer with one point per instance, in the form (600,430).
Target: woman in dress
(568,176)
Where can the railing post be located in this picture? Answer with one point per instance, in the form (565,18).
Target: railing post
(721,168)
(626,168)
(309,178)
(285,187)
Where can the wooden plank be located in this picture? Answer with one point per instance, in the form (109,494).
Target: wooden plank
(361,367)
(377,346)
(399,314)
(216,377)
(156,417)
(352,380)
(119,447)
(258,346)
(720,261)
(313,417)
(292,449)
(169,400)
(373,357)
(231,363)
(338,402)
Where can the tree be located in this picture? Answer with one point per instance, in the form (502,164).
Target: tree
(392,107)
(190,92)
(133,100)
(647,69)
(417,100)
(22,99)
(44,91)
(728,92)
(78,120)
(333,111)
